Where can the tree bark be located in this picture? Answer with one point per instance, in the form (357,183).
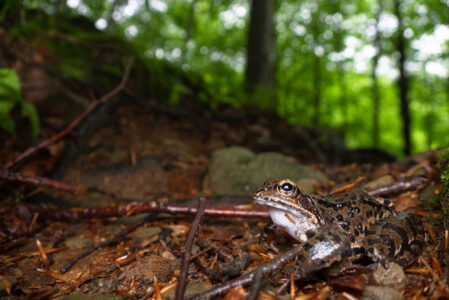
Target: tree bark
(403,80)
(316,90)
(375,83)
(259,56)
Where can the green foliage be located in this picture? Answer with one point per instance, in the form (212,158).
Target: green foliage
(198,48)
(10,97)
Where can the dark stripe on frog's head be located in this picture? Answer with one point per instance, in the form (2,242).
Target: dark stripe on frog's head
(285,195)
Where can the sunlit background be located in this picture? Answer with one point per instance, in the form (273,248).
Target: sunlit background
(208,38)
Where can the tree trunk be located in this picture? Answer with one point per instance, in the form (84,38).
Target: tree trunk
(190,22)
(375,83)
(189,28)
(316,90)
(403,80)
(343,97)
(259,56)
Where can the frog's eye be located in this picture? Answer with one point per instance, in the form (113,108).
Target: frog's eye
(287,188)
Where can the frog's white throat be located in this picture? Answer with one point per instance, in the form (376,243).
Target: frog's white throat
(296,225)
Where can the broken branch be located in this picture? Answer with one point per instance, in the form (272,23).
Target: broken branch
(182,279)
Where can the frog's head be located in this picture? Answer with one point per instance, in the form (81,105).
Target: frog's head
(288,204)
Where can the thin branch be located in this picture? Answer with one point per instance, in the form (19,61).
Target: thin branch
(254,293)
(182,279)
(33,150)
(399,187)
(38,181)
(248,278)
(150,207)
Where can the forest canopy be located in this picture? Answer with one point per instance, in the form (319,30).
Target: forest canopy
(375,70)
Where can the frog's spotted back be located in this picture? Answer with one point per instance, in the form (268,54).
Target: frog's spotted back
(400,237)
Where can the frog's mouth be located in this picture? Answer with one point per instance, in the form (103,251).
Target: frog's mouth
(284,206)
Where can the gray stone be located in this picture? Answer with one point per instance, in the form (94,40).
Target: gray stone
(145,232)
(237,170)
(379,182)
(382,293)
(77,242)
(393,276)
(192,289)
(306,185)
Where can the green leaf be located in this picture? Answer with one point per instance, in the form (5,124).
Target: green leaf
(9,97)
(9,81)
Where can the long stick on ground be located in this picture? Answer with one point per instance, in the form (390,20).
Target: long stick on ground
(149,207)
(182,279)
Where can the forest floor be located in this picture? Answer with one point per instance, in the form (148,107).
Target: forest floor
(107,209)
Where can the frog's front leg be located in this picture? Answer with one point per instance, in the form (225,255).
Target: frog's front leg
(399,238)
(327,247)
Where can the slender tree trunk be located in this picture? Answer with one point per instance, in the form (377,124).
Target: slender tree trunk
(339,46)
(375,83)
(430,116)
(403,80)
(317,90)
(259,56)
(189,28)
(343,97)
(190,21)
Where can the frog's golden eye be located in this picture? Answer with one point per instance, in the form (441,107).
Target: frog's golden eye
(287,188)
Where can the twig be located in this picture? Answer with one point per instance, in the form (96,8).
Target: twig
(154,206)
(246,279)
(399,187)
(182,279)
(38,181)
(254,293)
(33,150)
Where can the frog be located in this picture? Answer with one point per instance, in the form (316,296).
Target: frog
(346,226)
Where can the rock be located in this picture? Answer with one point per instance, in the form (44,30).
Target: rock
(393,276)
(77,242)
(379,182)
(192,289)
(144,233)
(306,185)
(237,170)
(168,255)
(382,293)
